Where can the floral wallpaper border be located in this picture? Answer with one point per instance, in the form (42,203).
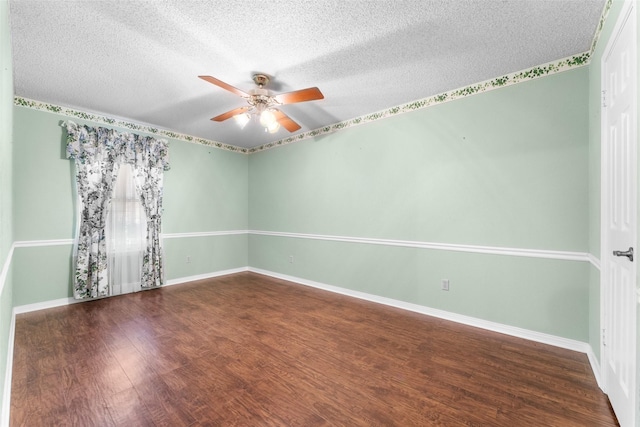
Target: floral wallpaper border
(97,118)
(507,80)
(571,62)
(603,18)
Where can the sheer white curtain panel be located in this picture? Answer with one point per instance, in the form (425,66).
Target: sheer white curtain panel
(126,235)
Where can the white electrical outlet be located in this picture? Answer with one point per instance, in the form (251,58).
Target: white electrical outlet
(445,284)
(290,259)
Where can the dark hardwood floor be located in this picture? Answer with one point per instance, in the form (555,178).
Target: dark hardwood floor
(250,350)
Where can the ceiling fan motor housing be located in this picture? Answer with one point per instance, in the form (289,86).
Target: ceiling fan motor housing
(260,98)
(261,79)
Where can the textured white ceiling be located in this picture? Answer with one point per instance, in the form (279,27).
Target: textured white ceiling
(139,60)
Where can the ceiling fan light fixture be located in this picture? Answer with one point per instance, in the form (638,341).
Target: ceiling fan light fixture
(242,119)
(273,127)
(264,105)
(267,118)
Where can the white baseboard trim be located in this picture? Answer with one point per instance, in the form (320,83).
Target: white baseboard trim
(44,305)
(540,337)
(595,367)
(66,301)
(6,395)
(205,276)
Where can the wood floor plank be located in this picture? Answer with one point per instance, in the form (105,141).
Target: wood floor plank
(126,408)
(167,407)
(246,349)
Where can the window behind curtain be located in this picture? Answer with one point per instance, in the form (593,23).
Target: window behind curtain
(126,235)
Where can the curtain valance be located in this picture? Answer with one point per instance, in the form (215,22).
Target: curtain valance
(89,144)
(98,153)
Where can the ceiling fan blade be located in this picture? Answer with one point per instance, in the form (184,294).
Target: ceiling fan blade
(224,85)
(285,121)
(309,94)
(224,116)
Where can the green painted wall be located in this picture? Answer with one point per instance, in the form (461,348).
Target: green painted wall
(41,274)
(44,200)
(205,191)
(6,131)
(6,193)
(548,296)
(506,168)
(205,255)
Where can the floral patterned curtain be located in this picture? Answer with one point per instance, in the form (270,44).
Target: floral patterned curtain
(98,153)
(149,183)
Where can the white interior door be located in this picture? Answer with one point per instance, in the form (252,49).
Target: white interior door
(619,174)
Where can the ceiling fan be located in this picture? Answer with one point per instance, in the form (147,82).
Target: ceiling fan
(263,104)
